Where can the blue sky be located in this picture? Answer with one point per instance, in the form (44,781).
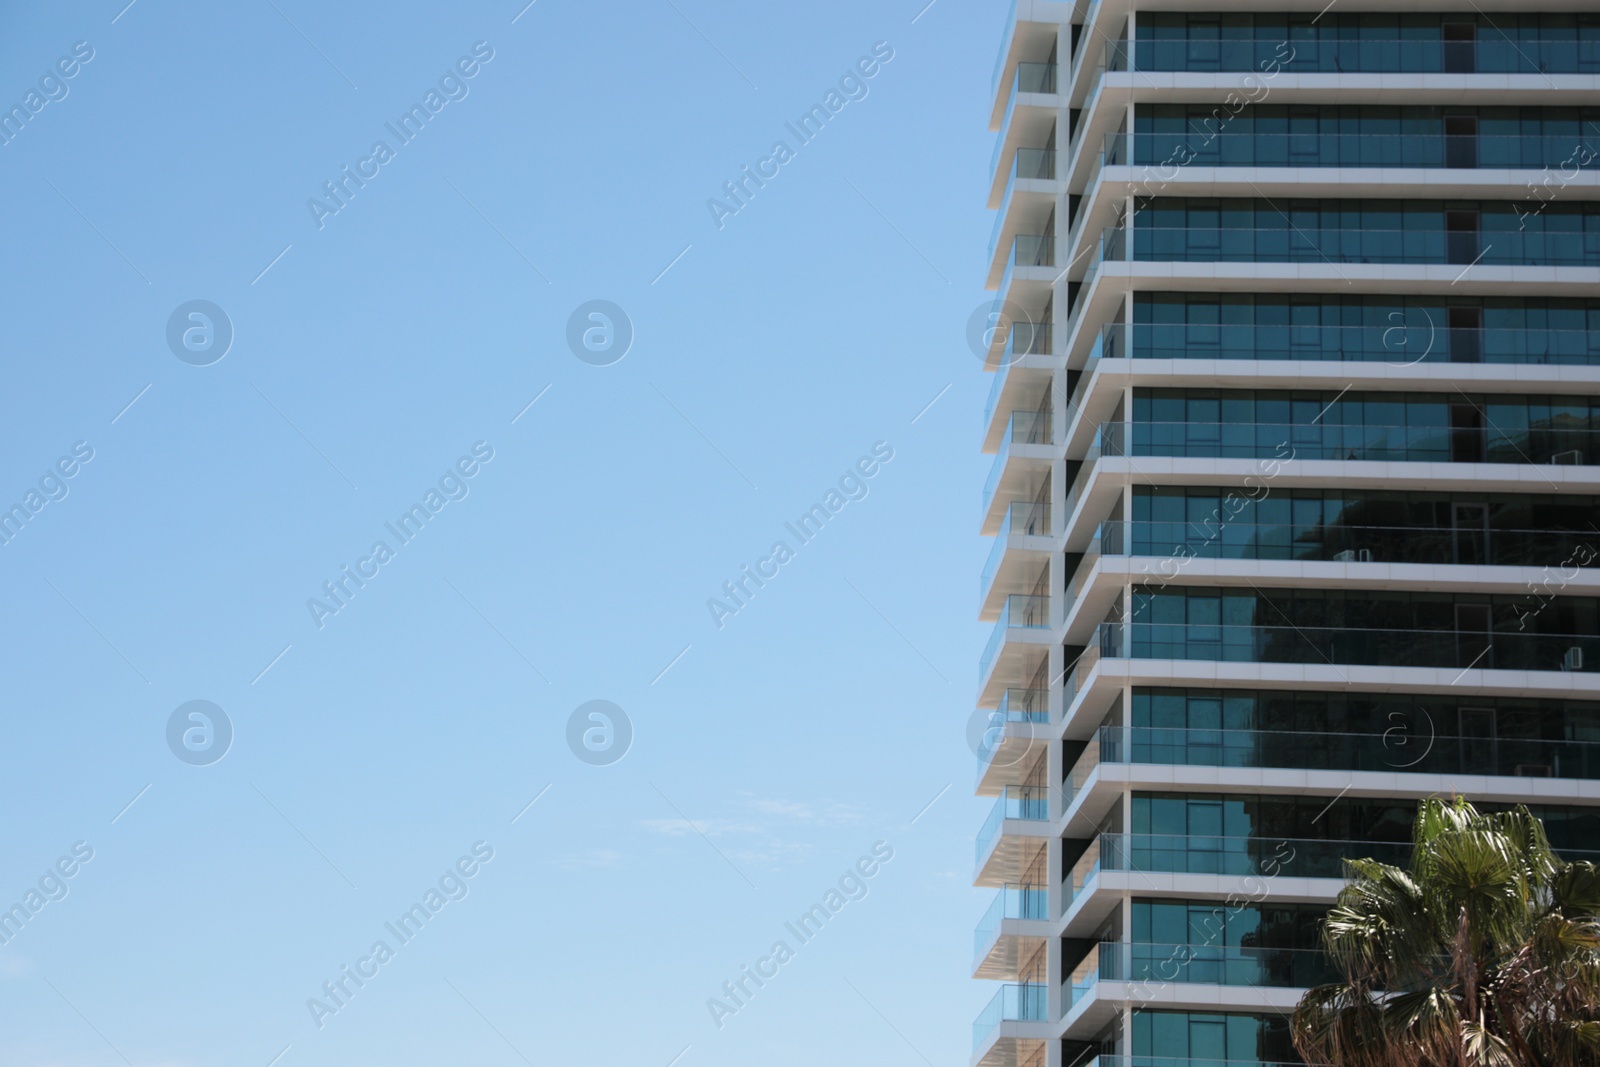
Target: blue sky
(369,355)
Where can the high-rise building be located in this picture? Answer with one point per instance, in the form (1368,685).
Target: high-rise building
(1296,490)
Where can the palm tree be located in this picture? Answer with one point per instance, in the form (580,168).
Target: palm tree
(1486,953)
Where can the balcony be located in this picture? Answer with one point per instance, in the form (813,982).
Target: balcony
(1030,274)
(1087,868)
(1082,768)
(1020,469)
(1082,982)
(1022,465)
(1343,646)
(998,953)
(1223,538)
(1026,75)
(1024,619)
(1389,752)
(1078,580)
(1021,379)
(1241,978)
(1034,250)
(1027,337)
(1027,165)
(1330,440)
(1224,864)
(1250,859)
(1090,29)
(1435,150)
(1417,340)
(1080,481)
(1497,54)
(1009,43)
(1242,856)
(1035,78)
(1024,203)
(1077,676)
(1108,163)
(1012,737)
(1030,35)
(1148,964)
(1471,263)
(1020,811)
(1188,67)
(1013,1002)
(1024,530)
(1326,244)
(1024,705)
(1029,803)
(1035,164)
(1030,113)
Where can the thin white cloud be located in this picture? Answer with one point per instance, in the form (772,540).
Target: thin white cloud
(770,835)
(709,827)
(829,812)
(596,857)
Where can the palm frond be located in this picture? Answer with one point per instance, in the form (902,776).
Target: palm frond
(1484,952)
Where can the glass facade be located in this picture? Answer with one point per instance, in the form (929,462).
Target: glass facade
(1435,734)
(1359,525)
(1261,230)
(1375,627)
(1574,831)
(1200,922)
(1158,963)
(1347,135)
(1362,327)
(1468,42)
(1240,857)
(1173,1038)
(1397,426)
(1368,713)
